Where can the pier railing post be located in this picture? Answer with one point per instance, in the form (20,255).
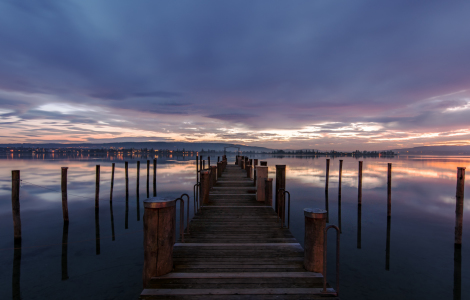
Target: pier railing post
(315,222)
(280,184)
(262,174)
(459,197)
(220,167)
(213,175)
(205,187)
(248,171)
(268,184)
(159,237)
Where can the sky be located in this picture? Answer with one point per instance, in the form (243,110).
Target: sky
(316,74)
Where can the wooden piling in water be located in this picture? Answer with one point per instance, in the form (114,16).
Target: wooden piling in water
(340,175)
(15,203)
(389,190)
(148,178)
(126,168)
(359,184)
(155,177)
(112,182)
(63,187)
(138,177)
(159,237)
(315,223)
(280,184)
(459,197)
(327,176)
(97,187)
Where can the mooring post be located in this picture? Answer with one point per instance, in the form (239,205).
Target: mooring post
(262,173)
(243,162)
(255,163)
(359,184)
(197,168)
(112,182)
(213,176)
(205,186)
(263,163)
(389,190)
(63,187)
(327,177)
(459,197)
(138,176)
(340,175)
(159,237)
(218,158)
(148,178)
(280,184)
(315,222)
(155,177)
(268,184)
(15,203)
(248,171)
(97,187)
(208,161)
(126,168)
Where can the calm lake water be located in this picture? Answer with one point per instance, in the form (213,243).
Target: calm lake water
(100,256)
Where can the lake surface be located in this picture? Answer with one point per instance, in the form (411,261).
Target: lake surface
(100,256)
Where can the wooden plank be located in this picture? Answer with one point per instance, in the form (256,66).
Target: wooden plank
(271,291)
(237,245)
(241,275)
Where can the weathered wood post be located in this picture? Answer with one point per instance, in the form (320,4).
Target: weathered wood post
(263,163)
(280,184)
(315,222)
(236,160)
(389,190)
(213,175)
(255,163)
(262,173)
(148,178)
(138,176)
(209,161)
(63,187)
(197,169)
(359,184)
(15,203)
(248,171)
(205,186)
(268,184)
(243,162)
(340,175)
(159,237)
(126,168)
(155,177)
(459,197)
(220,167)
(97,187)
(218,158)
(112,182)
(327,177)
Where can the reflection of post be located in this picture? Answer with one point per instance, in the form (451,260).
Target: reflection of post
(155,177)
(112,182)
(97,230)
(16,291)
(459,197)
(15,203)
(359,225)
(389,190)
(63,185)
(339,194)
(387,245)
(148,178)
(359,184)
(138,176)
(126,221)
(138,207)
(457,273)
(327,177)
(65,238)
(112,220)
(126,168)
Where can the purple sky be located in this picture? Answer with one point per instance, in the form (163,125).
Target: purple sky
(341,75)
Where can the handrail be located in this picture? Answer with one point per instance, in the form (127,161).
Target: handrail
(283,217)
(187,214)
(181,218)
(336,293)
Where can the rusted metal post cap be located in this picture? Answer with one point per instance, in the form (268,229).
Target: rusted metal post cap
(315,213)
(159,202)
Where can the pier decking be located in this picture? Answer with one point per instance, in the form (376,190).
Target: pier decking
(236,250)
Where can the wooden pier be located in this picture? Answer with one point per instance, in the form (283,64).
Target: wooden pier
(236,249)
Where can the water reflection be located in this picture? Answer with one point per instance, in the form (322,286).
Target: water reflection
(65,240)
(387,244)
(359,225)
(113,235)
(97,230)
(126,221)
(339,194)
(16,291)
(457,273)
(326,207)
(138,207)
